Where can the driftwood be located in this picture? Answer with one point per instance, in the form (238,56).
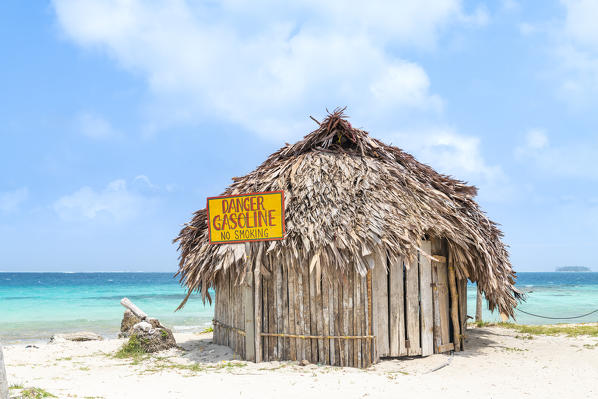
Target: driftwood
(3,378)
(133,308)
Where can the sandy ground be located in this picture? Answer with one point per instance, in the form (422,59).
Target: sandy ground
(498,363)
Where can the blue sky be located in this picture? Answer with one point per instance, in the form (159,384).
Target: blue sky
(118,118)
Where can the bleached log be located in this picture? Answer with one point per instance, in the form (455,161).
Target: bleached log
(3,378)
(133,308)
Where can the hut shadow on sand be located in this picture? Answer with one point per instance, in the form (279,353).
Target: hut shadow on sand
(375,261)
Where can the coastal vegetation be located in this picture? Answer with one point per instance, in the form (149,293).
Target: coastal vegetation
(29,393)
(131,349)
(570,330)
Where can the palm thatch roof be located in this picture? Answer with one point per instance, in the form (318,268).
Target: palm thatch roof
(346,196)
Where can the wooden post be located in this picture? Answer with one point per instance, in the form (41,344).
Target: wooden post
(3,378)
(478,306)
(454,305)
(257,308)
(248,294)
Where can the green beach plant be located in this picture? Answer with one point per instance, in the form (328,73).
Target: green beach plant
(132,349)
(35,393)
(570,330)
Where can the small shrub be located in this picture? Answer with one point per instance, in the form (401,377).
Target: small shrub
(35,393)
(208,330)
(132,349)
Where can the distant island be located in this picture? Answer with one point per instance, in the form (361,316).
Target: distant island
(573,269)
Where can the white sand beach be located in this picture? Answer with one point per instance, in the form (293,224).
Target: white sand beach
(497,363)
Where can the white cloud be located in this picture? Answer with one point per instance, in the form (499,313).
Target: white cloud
(575,47)
(11,200)
(94,126)
(571,160)
(115,202)
(457,155)
(580,22)
(267,65)
(146,182)
(536,139)
(510,5)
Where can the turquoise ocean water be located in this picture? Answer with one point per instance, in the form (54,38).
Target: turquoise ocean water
(33,306)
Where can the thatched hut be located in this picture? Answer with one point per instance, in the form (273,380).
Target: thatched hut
(375,261)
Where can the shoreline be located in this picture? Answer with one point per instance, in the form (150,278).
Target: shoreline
(548,366)
(112,333)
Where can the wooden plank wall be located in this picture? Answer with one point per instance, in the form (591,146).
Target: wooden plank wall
(409,311)
(229,314)
(301,303)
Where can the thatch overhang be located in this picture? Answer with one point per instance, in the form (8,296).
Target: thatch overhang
(346,196)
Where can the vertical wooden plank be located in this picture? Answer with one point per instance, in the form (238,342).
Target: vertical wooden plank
(371,342)
(326,318)
(249,311)
(306,313)
(348,317)
(331,315)
(380,304)
(286,342)
(357,319)
(444,303)
(313,327)
(279,313)
(292,308)
(241,319)
(317,281)
(427,307)
(215,327)
(367,329)
(231,314)
(397,309)
(412,307)
(257,308)
(300,320)
(226,307)
(265,318)
(436,305)
(353,311)
(272,341)
(452,279)
(338,321)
